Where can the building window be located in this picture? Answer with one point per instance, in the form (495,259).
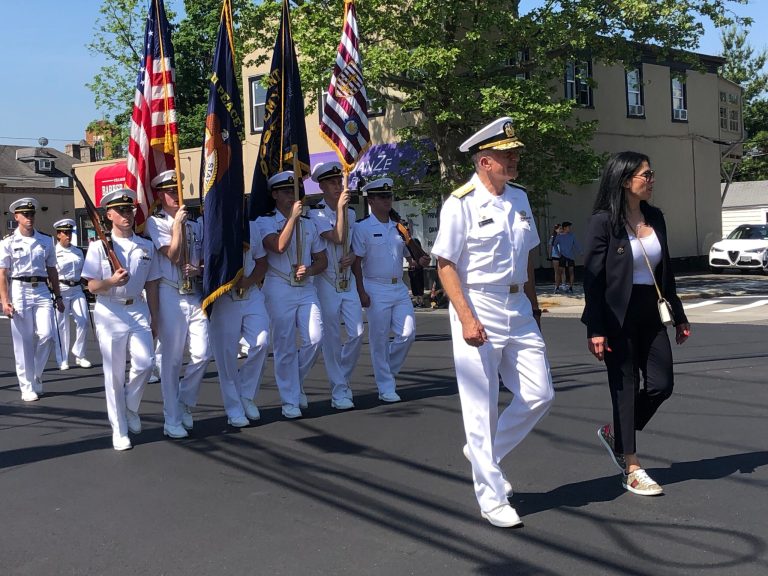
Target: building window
(577,76)
(679,105)
(258,95)
(723,118)
(521,58)
(635,108)
(730,111)
(733,124)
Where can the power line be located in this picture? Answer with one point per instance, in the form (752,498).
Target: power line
(37,137)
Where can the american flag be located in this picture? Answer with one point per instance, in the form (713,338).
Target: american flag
(154,136)
(345,113)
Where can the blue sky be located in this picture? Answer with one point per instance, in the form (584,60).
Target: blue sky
(46,66)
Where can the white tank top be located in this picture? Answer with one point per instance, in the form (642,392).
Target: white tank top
(640,272)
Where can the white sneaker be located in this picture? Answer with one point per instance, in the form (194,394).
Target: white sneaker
(504,516)
(303,402)
(290,411)
(638,482)
(64,366)
(29,396)
(507,485)
(186,416)
(251,411)
(83,362)
(238,421)
(134,421)
(174,431)
(389,397)
(121,442)
(342,404)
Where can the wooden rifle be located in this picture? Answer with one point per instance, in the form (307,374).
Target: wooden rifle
(93,214)
(417,252)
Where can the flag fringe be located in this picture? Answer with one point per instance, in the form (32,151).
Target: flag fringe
(220,291)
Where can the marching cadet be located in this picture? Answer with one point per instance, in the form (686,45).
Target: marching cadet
(380,248)
(28,261)
(290,296)
(338,302)
(124,320)
(69,264)
(238,316)
(178,242)
(483,247)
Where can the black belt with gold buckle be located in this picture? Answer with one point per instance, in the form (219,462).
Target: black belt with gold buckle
(70,283)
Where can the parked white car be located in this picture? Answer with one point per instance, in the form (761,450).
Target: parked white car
(746,248)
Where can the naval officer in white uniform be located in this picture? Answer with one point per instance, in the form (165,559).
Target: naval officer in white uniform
(290,294)
(181,322)
(486,235)
(380,249)
(124,320)
(69,263)
(28,265)
(339,302)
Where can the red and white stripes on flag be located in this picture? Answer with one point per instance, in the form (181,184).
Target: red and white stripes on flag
(154,135)
(345,112)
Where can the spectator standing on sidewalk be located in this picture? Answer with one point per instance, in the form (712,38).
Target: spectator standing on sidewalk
(568,247)
(554,256)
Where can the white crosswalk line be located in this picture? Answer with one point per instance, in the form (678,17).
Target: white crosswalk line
(700,304)
(755,304)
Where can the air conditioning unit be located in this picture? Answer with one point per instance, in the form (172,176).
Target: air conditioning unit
(62,182)
(44,165)
(636,110)
(680,114)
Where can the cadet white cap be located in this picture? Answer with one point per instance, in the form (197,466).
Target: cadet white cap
(120,197)
(379,186)
(65,225)
(282,180)
(165,180)
(325,170)
(498,135)
(24,205)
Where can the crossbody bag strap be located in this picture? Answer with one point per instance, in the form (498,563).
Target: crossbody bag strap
(648,262)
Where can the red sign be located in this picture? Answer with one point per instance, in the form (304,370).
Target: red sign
(107,179)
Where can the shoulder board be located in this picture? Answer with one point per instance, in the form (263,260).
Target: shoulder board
(514,185)
(7,235)
(320,206)
(270,214)
(363,218)
(305,217)
(463,190)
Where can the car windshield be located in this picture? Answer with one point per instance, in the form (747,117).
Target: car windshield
(749,233)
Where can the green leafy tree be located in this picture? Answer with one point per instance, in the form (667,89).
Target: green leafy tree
(460,63)
(746,66)
(119,34)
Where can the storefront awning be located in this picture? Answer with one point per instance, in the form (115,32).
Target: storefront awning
(109,178)
(394,159)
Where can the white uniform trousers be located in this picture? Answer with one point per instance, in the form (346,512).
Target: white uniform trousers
(75,305)
(123,330)
(292,307)
(33,332)
(229,321)
(391,310)
(181,320)
(340,359)
(516,351)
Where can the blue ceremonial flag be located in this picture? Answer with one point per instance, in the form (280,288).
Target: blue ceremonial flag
(284,129)
(224,227)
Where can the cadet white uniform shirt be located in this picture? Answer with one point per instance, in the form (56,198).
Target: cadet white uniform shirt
(281,265)
(159,229)
(137,256)
(381,247)
(27,255)
(69,262)
(324,220)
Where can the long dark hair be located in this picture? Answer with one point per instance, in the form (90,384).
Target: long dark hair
(611,196)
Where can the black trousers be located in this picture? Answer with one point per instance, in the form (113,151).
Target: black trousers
(640,348)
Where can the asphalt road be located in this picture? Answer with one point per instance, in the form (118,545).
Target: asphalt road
(384,489)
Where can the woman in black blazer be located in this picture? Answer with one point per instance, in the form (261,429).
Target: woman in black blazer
(623,324)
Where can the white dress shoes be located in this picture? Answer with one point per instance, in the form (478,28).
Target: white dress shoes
(238,421)
(389,397)
(64,366)
(29,396)
(174,431)
(250,409)
(504,517)
(121,442)
(290,411)
(342,404)
(134,422)
(83,362)
(303,402)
